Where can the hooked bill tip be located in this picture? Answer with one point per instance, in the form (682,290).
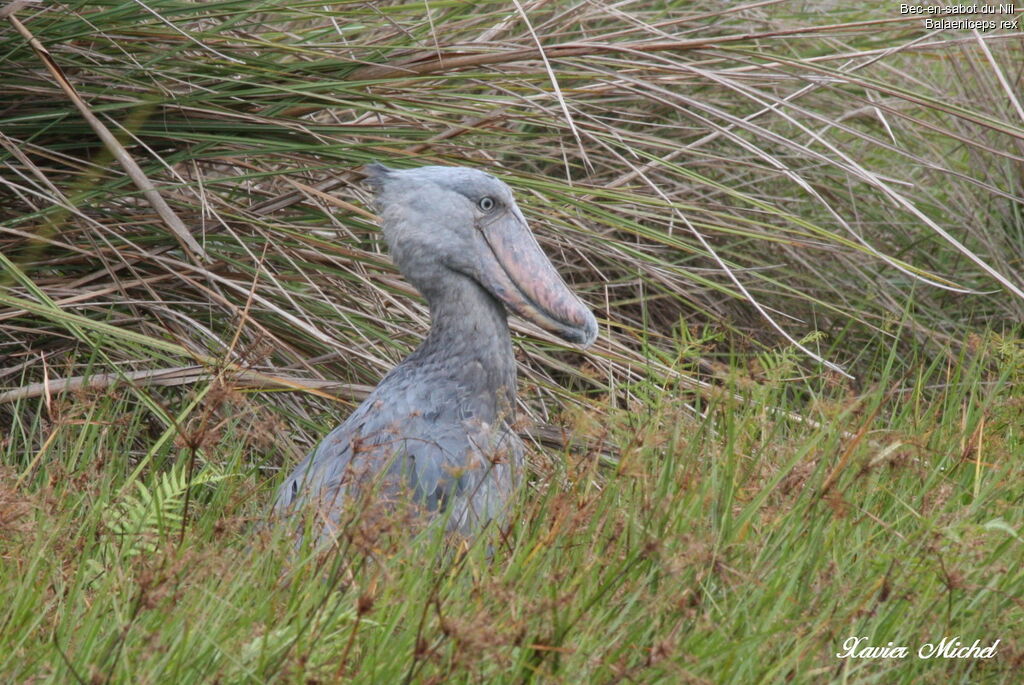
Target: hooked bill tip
(589,332)
(584,335)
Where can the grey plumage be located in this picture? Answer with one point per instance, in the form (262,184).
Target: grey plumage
(435,431)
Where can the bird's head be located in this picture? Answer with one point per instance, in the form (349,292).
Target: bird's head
(439,219)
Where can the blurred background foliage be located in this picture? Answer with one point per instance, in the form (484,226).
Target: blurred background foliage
(687,165)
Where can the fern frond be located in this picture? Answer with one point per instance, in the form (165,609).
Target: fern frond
(139,522)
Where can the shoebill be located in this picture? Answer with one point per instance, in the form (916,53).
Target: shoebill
(435,433)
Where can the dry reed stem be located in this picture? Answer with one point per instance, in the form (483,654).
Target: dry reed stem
(192,248)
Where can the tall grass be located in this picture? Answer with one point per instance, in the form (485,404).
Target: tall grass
(729,547)
(747,168)
(756,199)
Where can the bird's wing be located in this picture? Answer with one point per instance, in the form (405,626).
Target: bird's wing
(413,440)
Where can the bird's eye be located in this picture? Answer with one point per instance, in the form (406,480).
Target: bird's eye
(487,203)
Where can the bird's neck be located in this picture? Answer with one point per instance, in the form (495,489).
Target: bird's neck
(469,328)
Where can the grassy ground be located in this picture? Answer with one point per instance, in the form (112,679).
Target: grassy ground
(729,544)
(802,232)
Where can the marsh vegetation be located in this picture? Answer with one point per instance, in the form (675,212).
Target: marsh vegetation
(802,232)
